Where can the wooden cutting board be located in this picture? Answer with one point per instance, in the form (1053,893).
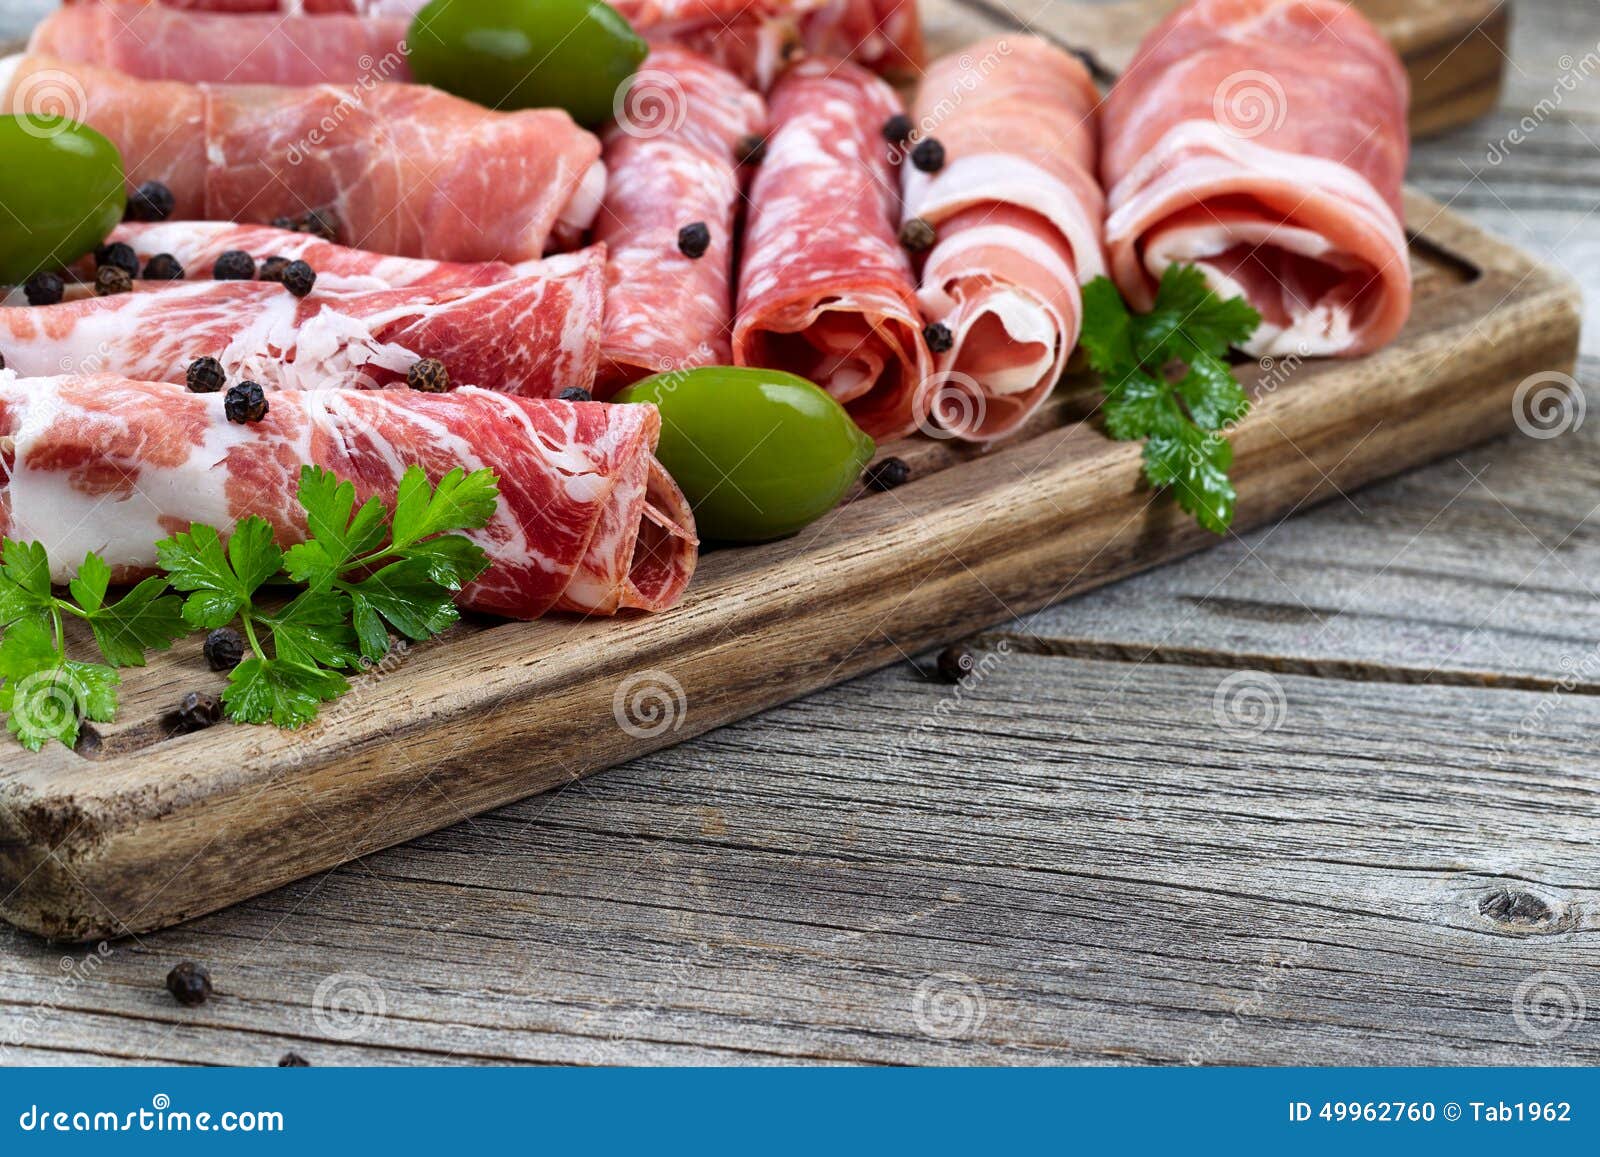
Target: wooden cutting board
(139,828)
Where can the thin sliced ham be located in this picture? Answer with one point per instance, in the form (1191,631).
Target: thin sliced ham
(155,42)
(198,244)
(532,335)
(664,309)
(402,168)
(825,289)
(1265,141)
(753,38)
(587,520)
(1017,211)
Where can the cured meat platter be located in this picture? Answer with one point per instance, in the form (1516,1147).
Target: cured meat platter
(141,825)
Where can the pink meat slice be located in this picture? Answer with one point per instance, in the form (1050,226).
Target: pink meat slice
(403,168)
(1017,211)
(532,335)
(587,521)
(665,310)
(753,38)
(825,289)
(156,42)
(198,244)
(1265,141)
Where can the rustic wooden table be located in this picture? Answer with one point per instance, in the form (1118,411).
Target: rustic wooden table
(1325,794)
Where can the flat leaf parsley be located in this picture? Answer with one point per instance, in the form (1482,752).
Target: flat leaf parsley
(1180,415)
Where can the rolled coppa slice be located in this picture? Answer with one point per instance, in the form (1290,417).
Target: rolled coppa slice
(825,289)
(1017,211)
(399,168)
(1265,141)
(534,334)
(196,245)
(587,520)
(673,184)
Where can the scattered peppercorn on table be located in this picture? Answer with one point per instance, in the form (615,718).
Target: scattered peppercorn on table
(1320,794)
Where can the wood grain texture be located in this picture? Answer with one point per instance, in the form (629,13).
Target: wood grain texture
(139,828)
(1356,883)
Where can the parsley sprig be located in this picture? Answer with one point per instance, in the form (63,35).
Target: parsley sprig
(361,573)
(1180,413)
(46,695)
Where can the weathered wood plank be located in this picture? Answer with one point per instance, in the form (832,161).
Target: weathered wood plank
(1114,875)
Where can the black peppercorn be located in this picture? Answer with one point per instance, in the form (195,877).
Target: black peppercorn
(955,663)
(576,394)
(694,239)
(2,361)
(224,647)
(44,289)
(110,279)
(298,278)
(245,402)
(939,337)
(189,983)
(751,149)
(199,710)
(205,376)
(118,255)
(293,1061)
(928,155)
(428,375)
(319,223)
(283,222)
(917,235)
(897,129)
(272,268)
(887,474)
(234,265)
(163,267)
(151,201)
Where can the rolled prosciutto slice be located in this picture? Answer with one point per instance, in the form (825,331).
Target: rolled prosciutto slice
(1017,212)
(669,306)
(825,289)
(588,521)
(753,38)
(1265,141)
(156,42)
(198,244)
(401,168)
(533,335)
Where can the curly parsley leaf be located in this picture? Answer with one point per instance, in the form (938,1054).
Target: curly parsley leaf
(46,695)
(339,531)
(144,619)
(1180,416)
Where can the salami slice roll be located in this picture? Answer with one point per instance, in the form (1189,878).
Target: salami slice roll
(1265,141)
(825,289)
(671,164)
(1017,212)
(587,521)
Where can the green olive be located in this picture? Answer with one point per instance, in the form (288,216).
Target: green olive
(62,189)
(508,54)
(759,453)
